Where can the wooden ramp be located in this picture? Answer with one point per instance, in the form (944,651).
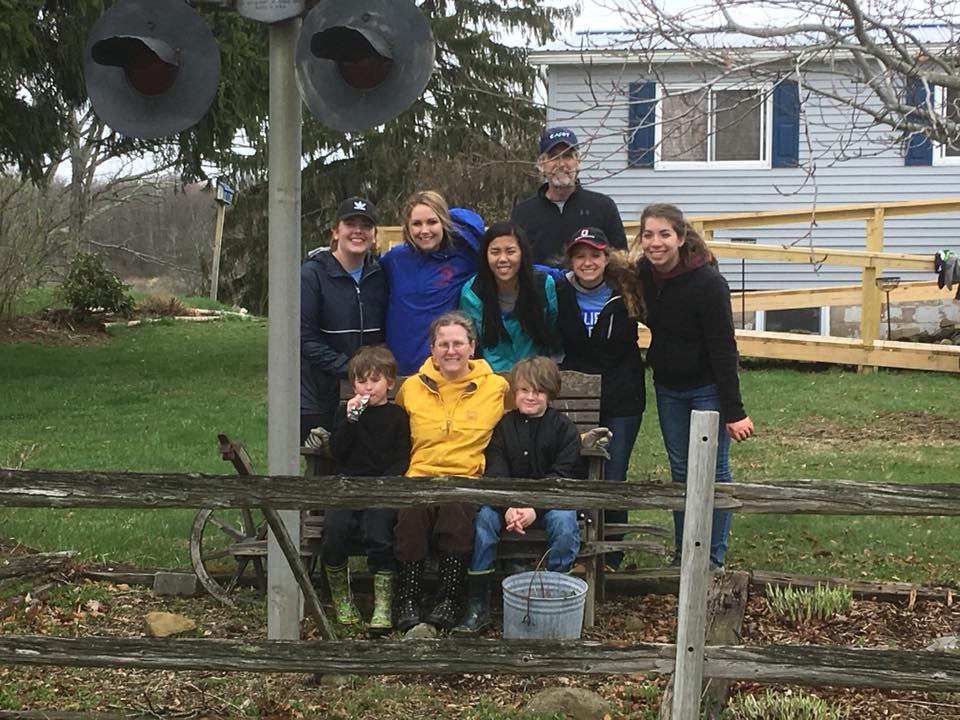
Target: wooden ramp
(842,351)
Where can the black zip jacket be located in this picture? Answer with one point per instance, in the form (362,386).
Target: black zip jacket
(376,444)
(526,447)
(549,230)
(337,316)
(693,342)
(610,351)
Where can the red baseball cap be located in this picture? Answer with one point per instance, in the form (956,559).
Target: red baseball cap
(594,237)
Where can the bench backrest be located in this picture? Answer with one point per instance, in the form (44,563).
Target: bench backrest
(579,397)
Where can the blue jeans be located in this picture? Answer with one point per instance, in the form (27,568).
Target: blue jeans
(673,408)
(563,538)
(625,431)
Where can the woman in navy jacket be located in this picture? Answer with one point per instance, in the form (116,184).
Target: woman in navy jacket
(599,305)
(343,300)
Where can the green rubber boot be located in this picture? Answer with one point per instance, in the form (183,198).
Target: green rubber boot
(339,581)
(381,622)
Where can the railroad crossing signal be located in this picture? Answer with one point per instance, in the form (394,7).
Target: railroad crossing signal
(152,66)
(361,63)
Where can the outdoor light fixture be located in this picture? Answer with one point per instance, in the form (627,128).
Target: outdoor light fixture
(887,284)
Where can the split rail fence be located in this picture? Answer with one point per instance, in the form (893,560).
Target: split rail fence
(690,660)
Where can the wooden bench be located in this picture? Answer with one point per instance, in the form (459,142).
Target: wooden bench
(579,399)
(227,548)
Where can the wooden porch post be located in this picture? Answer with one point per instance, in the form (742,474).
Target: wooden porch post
(872,300)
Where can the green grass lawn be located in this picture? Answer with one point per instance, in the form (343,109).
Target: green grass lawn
(153,398)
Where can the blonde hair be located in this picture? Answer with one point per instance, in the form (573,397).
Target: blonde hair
(540,373)
(435,202)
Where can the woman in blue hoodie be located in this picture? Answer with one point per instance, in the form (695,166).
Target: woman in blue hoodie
(426,272)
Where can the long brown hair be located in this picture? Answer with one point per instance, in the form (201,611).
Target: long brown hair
(692,242)
(435,202)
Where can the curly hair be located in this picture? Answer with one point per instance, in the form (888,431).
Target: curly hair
(622,276)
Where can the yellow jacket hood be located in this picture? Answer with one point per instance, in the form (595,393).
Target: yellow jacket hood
(451,421)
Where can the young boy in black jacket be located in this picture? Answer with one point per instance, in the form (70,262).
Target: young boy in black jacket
(370,437)
(533,441)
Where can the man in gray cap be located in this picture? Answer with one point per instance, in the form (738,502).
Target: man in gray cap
(561,205)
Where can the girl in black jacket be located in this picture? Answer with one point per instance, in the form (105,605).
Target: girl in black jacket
(599,303)
(693,349)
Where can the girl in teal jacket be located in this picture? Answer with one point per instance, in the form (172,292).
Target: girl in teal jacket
(513,306)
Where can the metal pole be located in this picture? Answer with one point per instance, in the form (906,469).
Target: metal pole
(889,331)
(284,601)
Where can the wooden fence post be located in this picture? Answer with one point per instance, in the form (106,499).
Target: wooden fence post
(871,302)
(695,561)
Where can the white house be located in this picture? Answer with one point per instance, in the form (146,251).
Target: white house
(662,126)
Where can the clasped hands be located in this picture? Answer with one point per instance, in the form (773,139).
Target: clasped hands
(518,519)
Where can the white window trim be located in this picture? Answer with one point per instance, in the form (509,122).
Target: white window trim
(760,321)
(940,156)
(765,89)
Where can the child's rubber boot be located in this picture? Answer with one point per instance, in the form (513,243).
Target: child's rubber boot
(381,622)
(339,581)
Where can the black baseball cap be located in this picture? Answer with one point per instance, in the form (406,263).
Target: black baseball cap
(357,207)
(594,237)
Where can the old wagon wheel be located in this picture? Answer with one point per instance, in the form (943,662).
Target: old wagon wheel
(225,544)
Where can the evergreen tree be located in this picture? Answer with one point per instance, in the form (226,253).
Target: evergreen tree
(472,136)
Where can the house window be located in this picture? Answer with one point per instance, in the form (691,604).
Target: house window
(697,126)
(948,100)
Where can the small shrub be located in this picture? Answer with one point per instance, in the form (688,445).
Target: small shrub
(160,306)
(803,605)
(782,706)
(89,288)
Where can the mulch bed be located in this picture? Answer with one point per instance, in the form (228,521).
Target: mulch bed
(82,608)
(51,327)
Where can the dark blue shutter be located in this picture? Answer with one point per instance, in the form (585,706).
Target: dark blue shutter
(786,125)
(642,124)
(919,148)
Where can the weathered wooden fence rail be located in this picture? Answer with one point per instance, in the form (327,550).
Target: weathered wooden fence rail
(68,488)
(809,665)
(795,664)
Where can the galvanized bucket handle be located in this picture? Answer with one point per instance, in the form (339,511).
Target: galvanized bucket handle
(527,620)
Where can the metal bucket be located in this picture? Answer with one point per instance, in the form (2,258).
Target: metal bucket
(543,605)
